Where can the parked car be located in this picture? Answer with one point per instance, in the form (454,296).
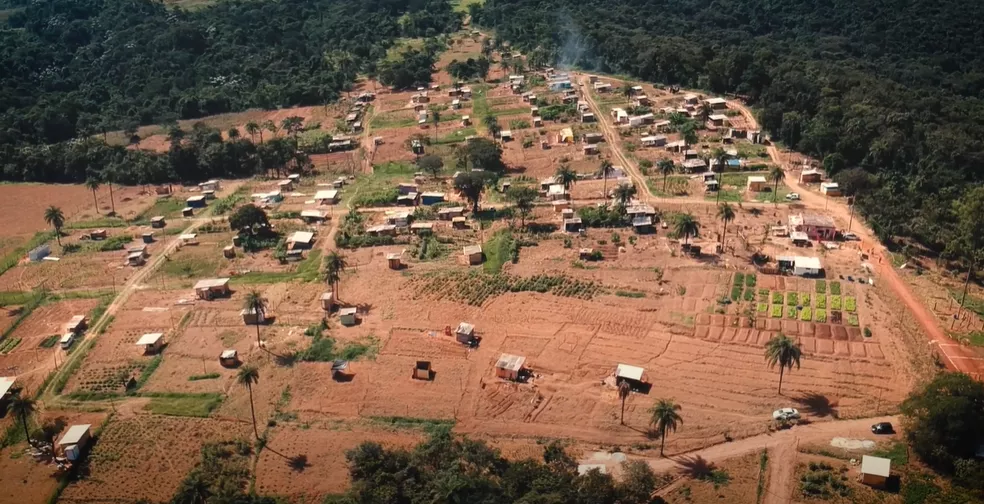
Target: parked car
(882,428)
(793,196)
(785,414)
(850,237)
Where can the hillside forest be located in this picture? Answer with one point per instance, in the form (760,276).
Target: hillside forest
(889,101)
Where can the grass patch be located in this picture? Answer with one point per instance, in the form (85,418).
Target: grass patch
(732,196)
(630,294)
(792,299)
(191,266)
(739,279)
(511,111)
(835,302)
(394,169)
(750,280)
(821,286)
(835,288)
(500,248)
(682,318)
(776,298)
(167,206)
(14,256)
(148,371)
(409,423)
(209,376)
(821,301)
(852,320)
(308,270)
(50,341)
(776,311)
(804,299)
(763,464)
(820,315)
(762,308)
(8,345)
(61,378)
(102,222)
(763,295)
(185,405)
(736,292)
(806,315)
(897,453)
(717,477)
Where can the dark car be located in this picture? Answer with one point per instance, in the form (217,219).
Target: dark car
(882,428)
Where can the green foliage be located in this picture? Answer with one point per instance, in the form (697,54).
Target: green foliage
(186,405)
(777,298)
(776,311)
(499,249)
(792,299)
(820,315)
(249,219)
(749,294)
(806,314)
(804,298)
(50,341)
(852,319)
(898,453)
(835,288)
(208,376)
(835,302)
(603,216)
(117,242)
(821,301)
(8,344)
(736,292)
(630,294)
(222,206)
(475,287)
(750,280)
(791,313)
(739,279)
(821,286)
(762,307)
(850,304)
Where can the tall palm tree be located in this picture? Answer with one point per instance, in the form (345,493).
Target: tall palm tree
(686,226)
(23,408)
(252,129)
(606,170)
(92,184)
(727,214)
(565,176)
(271,127)
(435,119)
(334,266)
(626,90)
(255,303)
(721,157)
(233,133)
(623,393)
(776,175)
(492,124)
(56,219)
(623,194)
(705,112)
(785,352)
(247,377)
(666,167)
(665,416)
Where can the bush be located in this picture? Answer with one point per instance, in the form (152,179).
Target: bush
(867,332)
(776,298)
(821,286)
(602,216)
(835,288)
(835,302)
(806,315)
(749,294)
(850,304)
(750,280)
(739,278)
(118,242)
(821,301)
(820,315)
(792,299)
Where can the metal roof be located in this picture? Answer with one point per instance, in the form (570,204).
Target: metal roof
(74,434)
(629,372)
(6,383)
(326,194)
(302,237)
(472,249)
(465,328)
(209,283)
(510,362)
(876,466)
(228,354)
(150,339)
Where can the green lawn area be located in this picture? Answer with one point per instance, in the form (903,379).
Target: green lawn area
(767,196)
(166,206)
(655,183)
(192,266)
(307,270)
(972,303)
(189,405)
(455,137)
(462,5)
(497,251)
(511,111)
(392,120)
(751,151)
(725,195)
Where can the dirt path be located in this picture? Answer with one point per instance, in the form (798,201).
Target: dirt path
(781,469)
(817,432)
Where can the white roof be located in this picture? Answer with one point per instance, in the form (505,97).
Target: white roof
(583,469)
(189,236)
(556,189)
(302,237)
(348,311)
(6,383)
(74,434)
(285,182)
(630,372)
(228,354)
(326,194)
(208,283)
(380,227)
(505,133)
(799,235)
(510,362)
(807,262)
(393,256)
(196,198)
(757,178)
(313,213)
(76,320)
(876,466)
(134,255)
(422,225)
(432,195)
(829,185)
(294,176)
(150,339)
(64,339)
(718,117)
(716,100)
(472,249)
(465,328)
(652,138)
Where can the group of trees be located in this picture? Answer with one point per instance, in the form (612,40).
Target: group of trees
(865,84)
(471,68)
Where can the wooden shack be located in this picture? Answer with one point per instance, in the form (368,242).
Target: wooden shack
(422,370)
(509,366)
(212,288)
(151,343)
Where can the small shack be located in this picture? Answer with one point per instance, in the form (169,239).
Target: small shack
(327,301)
(285,185)
(75,441)
(212,288)
(252,317)
(348,316)
(573,225)
(431,198)
(556,192)
(38,253)
(229,358)
(196,202)
(151,343)
(643,224)
(811,176)
(631,374)
(465,333)
(66,340)
(653,141)
(339,369)
(188,212)
(98,234)
(210,185)
(135,259)
(147,237)
(313,216)
(422,228)
(449,213)
(326,197)
(229,252)
(189,239)
(875,471)
(394,261)
(800,266)
(76,324)
(473,254)
(422,370)
(509,366)
(757,183)
(6,384)
(830,189)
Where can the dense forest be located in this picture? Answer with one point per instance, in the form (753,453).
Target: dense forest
(70,69)
(892,88)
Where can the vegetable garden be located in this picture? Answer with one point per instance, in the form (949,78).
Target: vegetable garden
(475,288)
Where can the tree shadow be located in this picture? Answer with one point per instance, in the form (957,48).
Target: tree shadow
(286,360)
(695,466)
(298,463)
(817,405)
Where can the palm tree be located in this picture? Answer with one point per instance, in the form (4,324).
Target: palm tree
(783,351)
(565,176)
(255,303)
(721,157)
(271,127)
(705,112)
(623,194)
(626,90)
(23,408)
(686,226)
(233,133)
(334,266)
(776,174)
(252,129)
(435,119)
(666,167)
(606,170)
(727,214)
(92,184)
(492,124)
(664,417)
(56,219)
(247,377)
(623,393)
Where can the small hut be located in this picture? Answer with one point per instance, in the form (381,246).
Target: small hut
(509,366)
(76,324)
(211,288)
(394,261)
(875,471)
(229,358)
(422,370)
(348,316)
(151,343)
(252,317)
(327,301)
(473,254)
(75,441)
(631,374)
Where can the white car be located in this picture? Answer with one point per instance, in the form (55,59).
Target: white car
(793,196)
(785,414)
(850,237)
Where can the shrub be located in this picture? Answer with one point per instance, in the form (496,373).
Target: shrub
(806,315)
(835,288)
(776,298)
(792,299)
(749,295)
(820,315)
(835,302)
(821,286)
(821,301)
(776,311)
(867,332)
(850,304)
(762,308)
(739,278)
(750,280)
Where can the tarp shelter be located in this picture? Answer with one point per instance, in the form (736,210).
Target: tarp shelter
(509,366)
(338,367)
(75,440)
(157,222)
(229,358)
(632,374)
(875,471)
(38,253)
(135,259)
(151,342)
(799,238)
(189,239)
(566,136)
(326,197)
(212,287)
(348,316)
(430,198)
(313,215)
(465,332)
(757,183)
(66,340)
